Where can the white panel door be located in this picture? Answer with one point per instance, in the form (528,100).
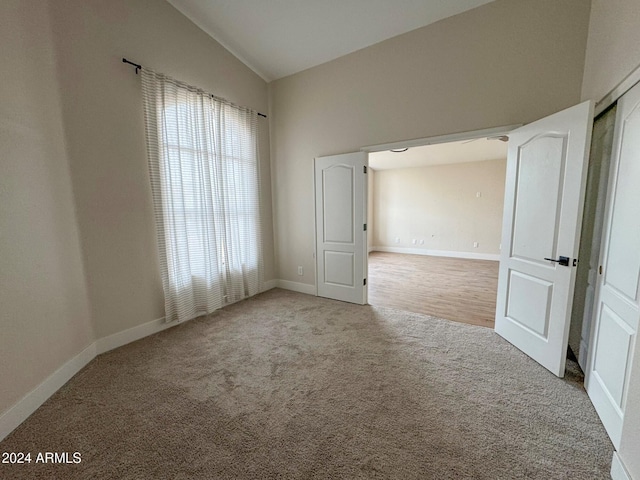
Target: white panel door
(341,192)
(544,195)
(617,306)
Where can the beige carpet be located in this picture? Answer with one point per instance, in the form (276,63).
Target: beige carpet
(287,385)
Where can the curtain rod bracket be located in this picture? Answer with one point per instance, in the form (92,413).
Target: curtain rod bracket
(138,67)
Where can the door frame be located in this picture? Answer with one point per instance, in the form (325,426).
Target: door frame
(448,138)
(417,142)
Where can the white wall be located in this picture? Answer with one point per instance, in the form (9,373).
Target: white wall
(507,62)
(439,204)
(44,315)
(105,135)
(613,53)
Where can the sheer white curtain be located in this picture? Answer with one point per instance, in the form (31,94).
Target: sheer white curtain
(203,164)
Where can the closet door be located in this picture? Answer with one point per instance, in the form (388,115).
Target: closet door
(617,303)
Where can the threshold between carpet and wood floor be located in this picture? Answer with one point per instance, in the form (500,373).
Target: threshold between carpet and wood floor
(287,385)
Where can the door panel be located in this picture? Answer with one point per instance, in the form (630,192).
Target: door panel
(529,302)
(617,303)
(539,177)
(340,190)
(613,340)
(623,252)
(337,195)
(339,268)
(545,183)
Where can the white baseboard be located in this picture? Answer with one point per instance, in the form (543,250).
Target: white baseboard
(618,472)
(440,253)
(131,335)
(297,287)
(17,414)
(269,285)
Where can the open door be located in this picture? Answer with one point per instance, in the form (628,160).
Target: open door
(341,193)
(617,306)
(544,195)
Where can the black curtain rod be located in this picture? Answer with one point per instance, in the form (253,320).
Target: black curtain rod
(139,67)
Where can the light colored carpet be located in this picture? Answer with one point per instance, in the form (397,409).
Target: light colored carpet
(286,385)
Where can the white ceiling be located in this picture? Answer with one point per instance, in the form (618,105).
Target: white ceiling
(439,154)
(276,38)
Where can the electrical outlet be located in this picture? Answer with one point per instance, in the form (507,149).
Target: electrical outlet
(397,239)
(475,244)
(422,241)
(300,270)
(478,194)
(414,241)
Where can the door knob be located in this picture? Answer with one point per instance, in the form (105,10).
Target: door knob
(564,261)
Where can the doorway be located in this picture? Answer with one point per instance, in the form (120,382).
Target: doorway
(544,189)
(591,236)
(435,222)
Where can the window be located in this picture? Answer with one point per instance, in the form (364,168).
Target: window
(203,164)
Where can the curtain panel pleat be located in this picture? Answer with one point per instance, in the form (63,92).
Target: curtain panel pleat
(203,165)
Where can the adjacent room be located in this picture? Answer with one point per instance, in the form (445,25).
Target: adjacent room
(184,241)
(435,229)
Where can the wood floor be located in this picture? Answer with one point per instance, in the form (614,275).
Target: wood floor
(453,288)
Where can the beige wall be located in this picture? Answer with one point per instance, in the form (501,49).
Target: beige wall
(495,65)
(78,258)
(612,47)
(613,53)
(105,136)
(439,204)
(44,314)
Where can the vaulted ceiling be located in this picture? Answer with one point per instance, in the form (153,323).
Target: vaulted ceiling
(276,38)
